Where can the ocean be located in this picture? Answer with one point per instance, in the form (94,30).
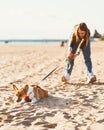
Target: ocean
(32,41)
(37,41)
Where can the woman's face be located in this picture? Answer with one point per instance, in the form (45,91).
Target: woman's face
(81,33)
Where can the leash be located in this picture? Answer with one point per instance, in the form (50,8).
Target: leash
(47,75)
(51,72)
(57,66)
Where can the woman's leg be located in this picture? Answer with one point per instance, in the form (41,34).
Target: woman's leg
(68,69)
(87,57)
(86,50)
(69,66)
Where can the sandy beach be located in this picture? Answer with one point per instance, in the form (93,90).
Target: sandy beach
(74,106)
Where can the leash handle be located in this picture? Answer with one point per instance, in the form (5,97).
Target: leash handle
(71,55)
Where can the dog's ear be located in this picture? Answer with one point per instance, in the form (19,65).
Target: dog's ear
(15,88)
(26,88)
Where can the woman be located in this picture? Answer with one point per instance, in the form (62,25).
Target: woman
(80,41)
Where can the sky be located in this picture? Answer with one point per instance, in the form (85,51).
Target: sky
(48,19)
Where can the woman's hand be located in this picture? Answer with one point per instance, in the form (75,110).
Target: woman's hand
(76,54)
(72,56)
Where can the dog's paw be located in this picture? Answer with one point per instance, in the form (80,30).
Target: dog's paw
(34,100)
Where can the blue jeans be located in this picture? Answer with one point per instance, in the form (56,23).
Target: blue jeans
(86,54)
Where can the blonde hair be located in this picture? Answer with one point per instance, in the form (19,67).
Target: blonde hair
(83,27)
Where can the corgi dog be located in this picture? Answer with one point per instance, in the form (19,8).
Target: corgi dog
(30,93)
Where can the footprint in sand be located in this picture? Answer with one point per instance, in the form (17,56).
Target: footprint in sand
(6,118)
(66,115)
(49,125)
(46,124)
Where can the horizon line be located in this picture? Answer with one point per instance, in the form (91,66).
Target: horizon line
(33,40)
